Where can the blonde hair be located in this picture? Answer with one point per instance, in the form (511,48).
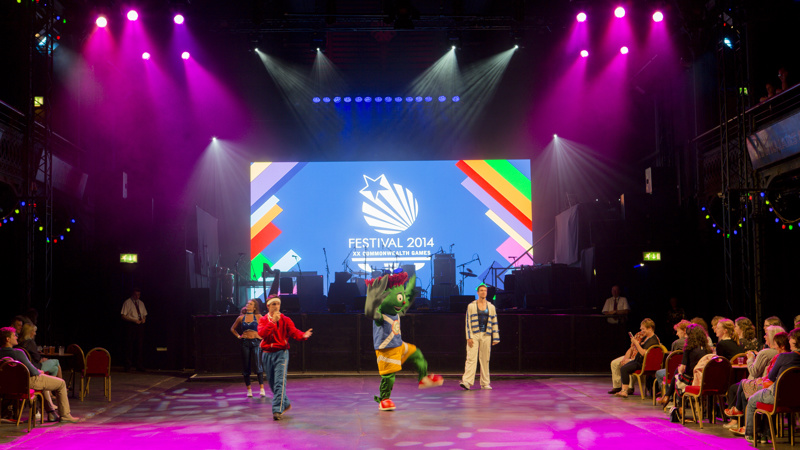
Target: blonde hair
(728,326)
(772,330)
(27,331)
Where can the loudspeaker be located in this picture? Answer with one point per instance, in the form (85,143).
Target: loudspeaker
(287,285)
(343,294)
(200,300)
(444,269)
(458,303)
(290,303)
(309,290)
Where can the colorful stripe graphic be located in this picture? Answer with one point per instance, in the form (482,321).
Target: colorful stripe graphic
(506,192)
(266,178)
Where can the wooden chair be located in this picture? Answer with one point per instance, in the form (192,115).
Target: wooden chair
(98,364)
(671,363)
(787,401)
(15,384)
(77,365)
(715,383)
(652,362)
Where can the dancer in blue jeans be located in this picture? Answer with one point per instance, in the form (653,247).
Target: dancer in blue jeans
(275,330)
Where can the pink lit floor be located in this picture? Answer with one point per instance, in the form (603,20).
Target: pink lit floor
(151,411)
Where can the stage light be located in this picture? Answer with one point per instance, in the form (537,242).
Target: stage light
(133,15)
(619,12)
(725,41)
(185,55)
(73,220)
(762,194)
(358,99)
(418,99)
(101,22)
(145,56)
(378,99)
(388,99)
(337,99)
(658,16)
(368,99)
(624,50)
(428,99)
(326,99)
(555,136)
(178,19)
(398,99)
(22,203)
(584,53)
(315,99)
(516,46)
(409,99)
(581,17)
(456,99)
(213,138)
(347,99)
(442,98)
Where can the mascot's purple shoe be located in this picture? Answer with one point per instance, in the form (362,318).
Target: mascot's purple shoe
(431,381)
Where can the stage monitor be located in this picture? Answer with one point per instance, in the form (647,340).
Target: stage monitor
(382,215)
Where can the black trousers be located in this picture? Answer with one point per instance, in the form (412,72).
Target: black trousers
(134,344)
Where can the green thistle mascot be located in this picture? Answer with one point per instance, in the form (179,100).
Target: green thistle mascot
(388,298)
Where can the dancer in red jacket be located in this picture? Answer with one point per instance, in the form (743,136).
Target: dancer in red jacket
(275,329)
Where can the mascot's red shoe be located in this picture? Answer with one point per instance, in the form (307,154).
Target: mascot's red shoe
(431,381)
(386,405)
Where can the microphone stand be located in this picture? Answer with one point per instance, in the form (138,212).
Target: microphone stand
(327,270)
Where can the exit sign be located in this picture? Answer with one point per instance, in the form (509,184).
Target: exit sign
(129,258)
(652,256)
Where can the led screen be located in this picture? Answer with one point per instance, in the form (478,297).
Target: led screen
(360,217)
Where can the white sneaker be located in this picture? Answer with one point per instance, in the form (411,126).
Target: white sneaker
(486,387)
(262,392)
(249,392)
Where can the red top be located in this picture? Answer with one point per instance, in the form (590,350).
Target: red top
(276,335)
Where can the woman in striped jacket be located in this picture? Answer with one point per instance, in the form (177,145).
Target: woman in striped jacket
(482,333)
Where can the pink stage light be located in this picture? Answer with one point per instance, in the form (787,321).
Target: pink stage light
(178,19)
(133,15)
(185,55)
(581,17)
(145,56)
(658,16)
(101,22)
(584,53)
(619,12)
(624,50)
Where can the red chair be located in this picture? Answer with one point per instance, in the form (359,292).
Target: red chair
(15,384)
(77,365)
(652,362)
(671,364)
(716,380)
(98,364)
(787,401)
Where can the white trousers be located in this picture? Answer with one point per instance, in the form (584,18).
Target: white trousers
(616,376)
(480,351)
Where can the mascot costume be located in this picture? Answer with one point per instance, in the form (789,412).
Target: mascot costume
(387,300)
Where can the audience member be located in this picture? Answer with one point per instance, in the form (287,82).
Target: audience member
(675,313)
(616,306)
(678,344)
(767,395)
(702,323)
(617,363)
(771,92)
(17,322)
(783,75)
(757,369)
(134,314)
(648,327)
(695,349)
(797,321)
(39,380)
(727,347)
(746,333)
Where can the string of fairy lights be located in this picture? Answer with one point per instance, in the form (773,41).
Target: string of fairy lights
(13,216)
(785,224)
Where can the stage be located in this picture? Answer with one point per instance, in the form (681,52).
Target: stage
(155,411)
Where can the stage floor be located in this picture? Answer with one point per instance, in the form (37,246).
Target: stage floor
(156,411)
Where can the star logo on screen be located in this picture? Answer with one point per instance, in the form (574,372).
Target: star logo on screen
(389,208)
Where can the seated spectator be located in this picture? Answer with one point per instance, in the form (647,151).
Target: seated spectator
(727,347)
(616,365)
(39,380)
(680,331)
(695,349)
(786,83)
(49,366)
(648,327)
(17,323)
(702,323)
(767,395)
(746,333)
(797,321)
(757,369)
